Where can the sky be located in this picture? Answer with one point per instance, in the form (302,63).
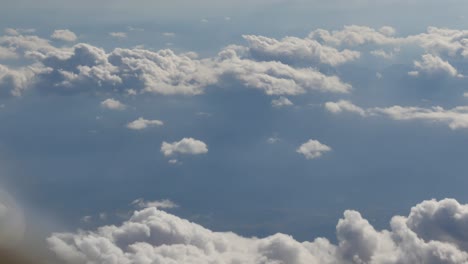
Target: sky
(263,132)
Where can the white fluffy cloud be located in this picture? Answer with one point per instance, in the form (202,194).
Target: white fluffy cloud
(281,102)
(276,78)
(267,64)
(142,123)
(87,68)
(16,81)
(296,49)
(434,66)
(164,71)
(436,41)
(313,149)
(113,104)
(184,146)
(434,232)
(64,35)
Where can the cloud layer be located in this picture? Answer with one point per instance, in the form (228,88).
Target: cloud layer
(87,68)
(433,232)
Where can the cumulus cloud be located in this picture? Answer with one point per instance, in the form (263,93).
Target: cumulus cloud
(436,41)
(313,149)
(64,35)
(164,204)
(164,72)
(113,104)
(276,78)
(455,118)
(184,146)
(281,102)
(275,66)
(29,46)
(87,68)
(16,81)
(142,123)
(292,49)
(434,232)
(434,66)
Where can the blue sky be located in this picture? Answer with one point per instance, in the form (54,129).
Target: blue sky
(265,119)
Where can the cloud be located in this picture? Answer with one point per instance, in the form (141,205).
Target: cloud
(434,66)
(313,149)
(142,123)
(31,47)
(436,41)
(344,106)
(164,72)
(64,35)
(276,67)
(184,146)
(455,118)
(16,81)
(19,31)
(292,49)
(87,219)
(113,104)
(164,204)
(276,78)
(7,53)
(87,68)
(281,102)
(273,140)
(383,54)
(119,35)
(434,232)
